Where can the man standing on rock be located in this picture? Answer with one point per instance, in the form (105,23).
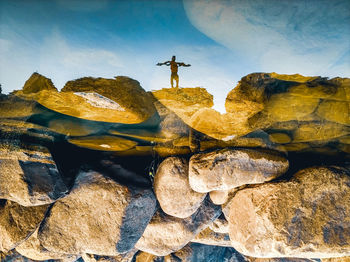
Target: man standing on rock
(174,66)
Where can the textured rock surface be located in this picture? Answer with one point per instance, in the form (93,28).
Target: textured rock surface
(306,217)
(30,178)
(119,100)
(173,190)
(31,248)
(17,223)
(219,197)
(229,168)
(99,216)
(166,234)
(37,83)
(209,237)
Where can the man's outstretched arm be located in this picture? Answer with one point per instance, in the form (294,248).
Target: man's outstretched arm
(165,63)
(183,64)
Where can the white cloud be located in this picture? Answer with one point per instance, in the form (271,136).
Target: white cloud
(304,36)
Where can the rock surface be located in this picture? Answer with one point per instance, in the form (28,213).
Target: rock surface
(209,237)
(17,223)
(306,217)
(120,100)
(37,83)
(32,248)
(166,234)
(173,190)
(34,177)
(229,168)
(99,216)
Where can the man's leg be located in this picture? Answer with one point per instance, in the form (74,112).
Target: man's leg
(172,81)
(177,81)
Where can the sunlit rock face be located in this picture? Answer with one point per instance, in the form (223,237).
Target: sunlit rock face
(37,83)
(227,169)
(308,216)
(119,100)
(173,190)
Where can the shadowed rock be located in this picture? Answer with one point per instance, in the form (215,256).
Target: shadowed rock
(99,216)
(30,178)
(306,217)
(17,223)
(166,234)
(31,248)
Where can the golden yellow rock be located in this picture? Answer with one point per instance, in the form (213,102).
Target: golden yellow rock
(295,146)
(345,139)
(36,83)
(170,150)
(103,143)
(13,106)
(120,100)
(314,131)
(294,78)
(281,138)
(336,111)
(182,141)
(286,107)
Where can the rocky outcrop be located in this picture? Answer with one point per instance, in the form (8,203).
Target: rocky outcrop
(230,168)
(130,99)
(120,100)
(99,216)
(306,217)
(77,169)
(166,234)
(37,83)
(17,223)
(173,190)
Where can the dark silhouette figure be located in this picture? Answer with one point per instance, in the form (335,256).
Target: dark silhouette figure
(173,67)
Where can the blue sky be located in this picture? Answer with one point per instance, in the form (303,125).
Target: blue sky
(222,40)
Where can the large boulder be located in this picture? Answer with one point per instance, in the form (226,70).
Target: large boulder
(173,190)
(230,168)
(166,234)
(306,217)
(99,216)
(17,223)
(30,177)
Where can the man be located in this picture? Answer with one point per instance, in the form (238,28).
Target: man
(173,67)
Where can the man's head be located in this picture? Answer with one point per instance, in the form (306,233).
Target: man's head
(173,58)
